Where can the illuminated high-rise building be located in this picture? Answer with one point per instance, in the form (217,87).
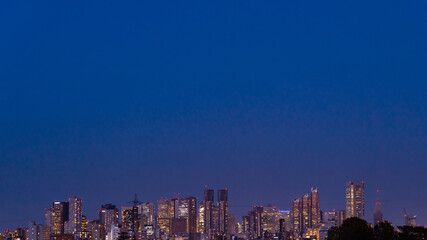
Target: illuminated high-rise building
(59,214)
(296,215)
(191,214)
(163,208)
(97,230)
(329,217)
(246,227)
(355,200)
(182,208)
(255,222)
(164,215)
(222,210)
(315,209)
(215,219)
(146,211)
(378,213)
(270,220)
(74,224)
(306,210)
(129,217)
(209,205)
(232,224)
(108,215)
(340,217)
(48,220)
(286,216)
(201,218)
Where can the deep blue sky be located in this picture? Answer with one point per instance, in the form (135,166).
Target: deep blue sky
(102,99)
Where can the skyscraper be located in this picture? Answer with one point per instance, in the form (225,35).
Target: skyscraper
(378,213)
(315,209)
(223,210)
(306,213)
(209,204)
(191,214)
(355,200)
(164,215)
(270,219)
(59,214)
(75,215)
(256,221)
(296,215)
(201,218)
(108,215)
(286,215)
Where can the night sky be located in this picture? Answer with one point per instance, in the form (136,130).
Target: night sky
(104,99)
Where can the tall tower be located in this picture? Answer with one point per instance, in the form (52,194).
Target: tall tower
(378,213)
(108,215)
(296,216)
(75,215)
(306,212)
(315,209)
(355,200)
(192,215)
(209,204)
(58,217)
(164,215)
(223,210)
(201,218)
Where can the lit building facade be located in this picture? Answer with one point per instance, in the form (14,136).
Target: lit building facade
(296,215)
(222,210)
(59,214)
(316,214)
(208,200)
(108,216)
(355,200)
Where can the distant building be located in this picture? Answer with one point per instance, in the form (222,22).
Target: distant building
(306,213)
(113,234)
(97,230)
(329,217)
(191,215)
(59,214)
(340,217)
(209,205)
(201,218)
(232,224)
(223,210)
(178,225)
(316,215)
(164,215)
(74,223)
(286,216)
(410,220)
(378,213)
(270,219)
(108,216)
(355,200)
(296,214)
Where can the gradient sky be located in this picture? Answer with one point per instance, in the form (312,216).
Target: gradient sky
(104,99)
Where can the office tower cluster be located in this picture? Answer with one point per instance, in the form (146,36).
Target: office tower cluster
(306,213)
(184,218)
(213,218)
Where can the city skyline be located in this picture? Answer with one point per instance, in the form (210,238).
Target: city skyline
(268,99)
(58,206)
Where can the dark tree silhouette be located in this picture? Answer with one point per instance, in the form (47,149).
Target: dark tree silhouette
(352,229)
(412,233)
(384,231)
(333,233)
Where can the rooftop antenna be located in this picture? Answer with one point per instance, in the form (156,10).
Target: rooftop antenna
(135,201)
